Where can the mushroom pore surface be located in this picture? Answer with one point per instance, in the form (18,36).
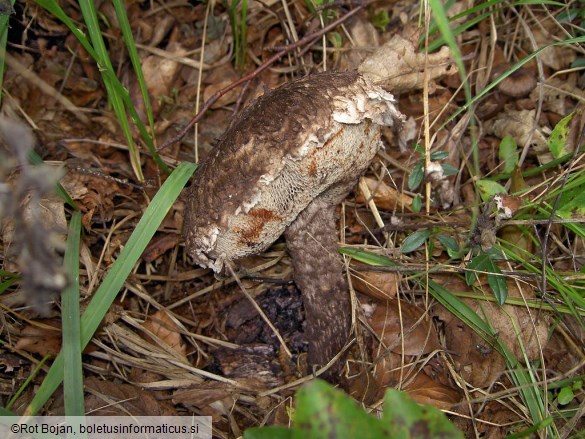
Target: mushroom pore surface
(310,138)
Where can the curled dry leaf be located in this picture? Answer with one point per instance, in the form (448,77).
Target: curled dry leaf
(161,72)
(108,398)
(555,57)
(424,390)
(385,197)
(375,284)
(398,67)
(44,338)
(159,246)
(380,286)
(364,37)
(419,338)
(165,329)
(41,338)
(416,335)
(522,127)
(476,359)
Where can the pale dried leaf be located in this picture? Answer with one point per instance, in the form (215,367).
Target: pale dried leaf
(416,335)
(397,66)
(385,197)
(522,127)
(476,359)
(424,390)
(166,330)
(378,285)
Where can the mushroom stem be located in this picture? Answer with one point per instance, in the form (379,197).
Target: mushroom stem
(318,272)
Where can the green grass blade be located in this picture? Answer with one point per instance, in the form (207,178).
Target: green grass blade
(113,282)
(516,66)
(4,19)
(523,379)
(104,64)
(122,93)
(73,369)
(134,58)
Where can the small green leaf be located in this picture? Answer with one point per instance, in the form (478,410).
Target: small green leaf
(381,20)
(411,420)
(489,188)
(416,203)
(367,257)
(416,176)
(572,202)
(439,155)
(335,39)
(508,153)
(558,137)
(448,242)
(484,263)
(566,395)
(325,412)
(449,169)
(414,241)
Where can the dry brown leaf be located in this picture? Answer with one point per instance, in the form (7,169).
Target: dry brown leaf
(418,335)
(424,390)
(108,398)
(43,338)
(521,126)
(385,197)
(229,98)
(555,57)
(364,37)
(559,95)
(378,285)
(397,66)
(160,73)
(477,361)
(166,330)
(159,246)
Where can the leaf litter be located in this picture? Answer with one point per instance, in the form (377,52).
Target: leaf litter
(157,353)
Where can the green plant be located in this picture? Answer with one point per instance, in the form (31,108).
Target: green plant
(117,94)
(322,411)
(239,29)
(113,282)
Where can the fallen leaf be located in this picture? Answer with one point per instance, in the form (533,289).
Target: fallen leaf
(385,197)
(398,67)
(159,246)
(109,398)
(166,330)
(475,358)
(424,390)
(378,285)
(521,126)
(415,336)
(43,338)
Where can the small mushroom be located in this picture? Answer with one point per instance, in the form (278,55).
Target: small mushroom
(517,84)
(282,166)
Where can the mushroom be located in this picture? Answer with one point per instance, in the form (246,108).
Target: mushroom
(282,166)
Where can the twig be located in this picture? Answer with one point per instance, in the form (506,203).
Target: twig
(308,39)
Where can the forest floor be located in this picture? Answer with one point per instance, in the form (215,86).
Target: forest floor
(465,277)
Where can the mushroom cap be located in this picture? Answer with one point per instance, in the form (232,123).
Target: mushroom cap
(518,83)
(312,137)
